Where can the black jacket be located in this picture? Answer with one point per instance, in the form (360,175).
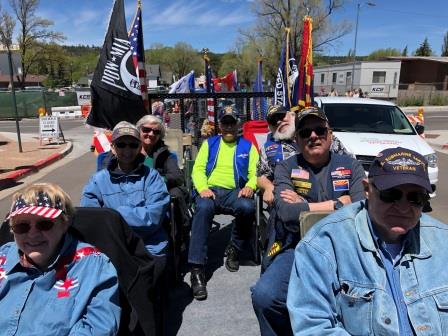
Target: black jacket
(166,164)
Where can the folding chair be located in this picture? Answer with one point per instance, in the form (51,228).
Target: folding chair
(307,219)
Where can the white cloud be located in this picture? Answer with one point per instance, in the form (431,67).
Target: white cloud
(197,13)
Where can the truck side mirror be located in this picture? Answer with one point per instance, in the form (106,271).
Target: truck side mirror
(419,128)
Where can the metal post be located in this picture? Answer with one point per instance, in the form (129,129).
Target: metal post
(358,7)
(14,103)
(354,48)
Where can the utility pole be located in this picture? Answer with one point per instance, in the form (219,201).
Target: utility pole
(358,7)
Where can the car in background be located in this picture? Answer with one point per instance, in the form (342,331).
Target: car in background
(368,126)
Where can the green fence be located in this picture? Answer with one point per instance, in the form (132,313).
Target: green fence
(29,102)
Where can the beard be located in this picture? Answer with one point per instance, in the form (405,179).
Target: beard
(287,133)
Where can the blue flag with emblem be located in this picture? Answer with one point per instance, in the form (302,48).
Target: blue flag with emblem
(259,104)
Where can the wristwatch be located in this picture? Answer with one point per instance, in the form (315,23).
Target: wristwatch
(338,204)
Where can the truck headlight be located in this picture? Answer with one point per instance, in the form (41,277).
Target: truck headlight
(432,160)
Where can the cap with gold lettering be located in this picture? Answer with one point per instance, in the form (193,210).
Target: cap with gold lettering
(397,166)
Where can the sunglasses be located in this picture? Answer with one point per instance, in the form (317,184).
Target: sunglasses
(275,118)
(121,145)
(24,227)
(149,130)
(306,132)
(415,198)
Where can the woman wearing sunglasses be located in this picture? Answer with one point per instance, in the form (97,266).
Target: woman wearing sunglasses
(136,191)
(51,283)
(158,156)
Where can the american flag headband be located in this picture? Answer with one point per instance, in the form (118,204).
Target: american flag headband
(44,207)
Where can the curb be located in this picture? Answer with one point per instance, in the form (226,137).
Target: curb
(34,168)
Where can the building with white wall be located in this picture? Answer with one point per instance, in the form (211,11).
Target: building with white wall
(378,79)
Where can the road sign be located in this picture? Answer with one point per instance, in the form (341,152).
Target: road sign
(48,127)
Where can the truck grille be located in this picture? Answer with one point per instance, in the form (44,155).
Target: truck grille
(365,161)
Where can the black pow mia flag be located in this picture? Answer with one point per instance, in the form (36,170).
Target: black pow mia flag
(115,87)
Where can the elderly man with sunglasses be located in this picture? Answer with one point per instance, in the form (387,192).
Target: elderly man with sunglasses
(279,146)
(316,179)
(377,267)
(136,191)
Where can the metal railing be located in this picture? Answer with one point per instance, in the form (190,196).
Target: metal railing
(191,108)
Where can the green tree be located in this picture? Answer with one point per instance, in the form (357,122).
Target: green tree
(405,51)
(34,33)
(381,53)
(424,49)
(274,15)
(445,45)
(183,58)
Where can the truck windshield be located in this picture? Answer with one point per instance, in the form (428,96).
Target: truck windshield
(367,118)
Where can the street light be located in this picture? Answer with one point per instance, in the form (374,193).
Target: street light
(371,4)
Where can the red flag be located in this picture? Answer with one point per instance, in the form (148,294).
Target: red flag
(306,95)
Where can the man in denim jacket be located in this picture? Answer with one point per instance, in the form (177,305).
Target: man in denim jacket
(377,267)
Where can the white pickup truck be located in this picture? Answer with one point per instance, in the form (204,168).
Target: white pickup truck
(367,126)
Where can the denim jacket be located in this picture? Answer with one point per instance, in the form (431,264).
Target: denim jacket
(338,281)
(76,295)
(140,197)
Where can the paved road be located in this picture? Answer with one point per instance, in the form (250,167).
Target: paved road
(436,120)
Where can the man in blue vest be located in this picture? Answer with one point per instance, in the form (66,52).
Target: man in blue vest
(314,180)
(224,178)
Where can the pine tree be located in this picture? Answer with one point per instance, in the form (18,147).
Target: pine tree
(445,45)
(424,49)
(405,51)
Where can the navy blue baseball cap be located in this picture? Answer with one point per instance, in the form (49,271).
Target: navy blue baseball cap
(310,111)
(396,166)
(229,114)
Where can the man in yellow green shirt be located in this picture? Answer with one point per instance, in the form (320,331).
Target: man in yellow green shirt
(224,176)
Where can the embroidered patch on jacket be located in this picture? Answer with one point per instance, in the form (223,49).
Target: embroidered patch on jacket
(64,287)
(341,173)
(300,174)
(2,274)
(275,248)
(2,270)
(341,185)
(302,184)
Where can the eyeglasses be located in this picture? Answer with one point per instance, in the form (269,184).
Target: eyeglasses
(415,198)
(275,118)
(306,132)
(121,145)
(24,227)
(149,130)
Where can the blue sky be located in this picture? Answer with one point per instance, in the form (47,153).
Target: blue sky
(215,23)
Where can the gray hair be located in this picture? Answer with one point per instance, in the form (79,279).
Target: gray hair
(151,119)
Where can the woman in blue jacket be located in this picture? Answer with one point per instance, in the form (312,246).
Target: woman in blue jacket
(136,191)
(51,283)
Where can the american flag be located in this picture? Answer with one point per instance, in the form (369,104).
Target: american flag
(138,53)
(42,206)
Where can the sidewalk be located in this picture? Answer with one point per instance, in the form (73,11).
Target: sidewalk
(15,165)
